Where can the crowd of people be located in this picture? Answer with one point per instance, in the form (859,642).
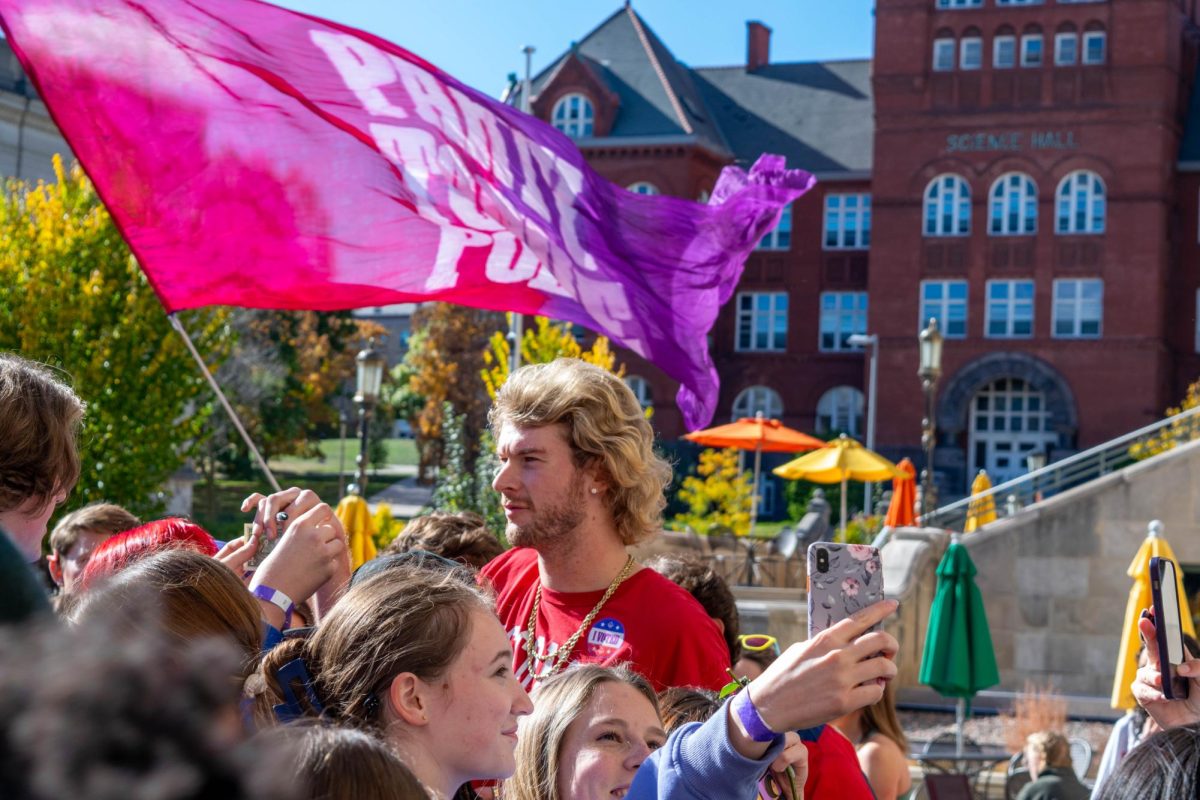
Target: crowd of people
(171,665)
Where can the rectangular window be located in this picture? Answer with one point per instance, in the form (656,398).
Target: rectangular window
(971,53)
(779,238)
(945,301)
(959,3)
(1095,47)
(1020,2)
(1066,49)
(1078,308)
(843,314)
(1004,52)
(1009,309)
(762,321)
(847,221)
(943,55)
(1031,50)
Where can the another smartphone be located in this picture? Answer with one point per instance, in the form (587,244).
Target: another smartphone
(1168,627)
(842,579)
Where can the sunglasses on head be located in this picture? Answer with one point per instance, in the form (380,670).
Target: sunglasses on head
(757,642)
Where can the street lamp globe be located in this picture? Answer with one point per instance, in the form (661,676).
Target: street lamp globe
(370,374)
(931,352)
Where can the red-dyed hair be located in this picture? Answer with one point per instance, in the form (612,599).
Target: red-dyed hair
(118,552)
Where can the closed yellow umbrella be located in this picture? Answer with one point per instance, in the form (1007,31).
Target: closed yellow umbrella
(982,508)
(360,530)
(839,461)
(1139,598)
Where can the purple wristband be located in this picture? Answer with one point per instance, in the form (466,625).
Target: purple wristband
(747,714)
(277,598)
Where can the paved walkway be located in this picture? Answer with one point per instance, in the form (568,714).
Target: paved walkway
(405,497)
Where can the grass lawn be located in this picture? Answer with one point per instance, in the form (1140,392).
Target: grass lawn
(219,512)
(400,451)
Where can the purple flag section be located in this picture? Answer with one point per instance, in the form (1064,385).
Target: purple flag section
(257,157)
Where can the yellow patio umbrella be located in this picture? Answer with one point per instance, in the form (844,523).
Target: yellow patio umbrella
(839,461)
(982,508)
(1139,598)
(356,519)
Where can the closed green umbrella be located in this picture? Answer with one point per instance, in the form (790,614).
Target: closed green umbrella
(958,660)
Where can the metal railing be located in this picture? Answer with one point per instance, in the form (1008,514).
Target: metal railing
(1032,487)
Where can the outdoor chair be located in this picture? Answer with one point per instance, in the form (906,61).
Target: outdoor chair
(1016,776)
(948,787)
(1081,758)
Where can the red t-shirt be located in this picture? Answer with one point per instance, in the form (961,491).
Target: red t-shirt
(649,622)
(833,769)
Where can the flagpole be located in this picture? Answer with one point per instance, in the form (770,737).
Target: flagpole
(237,423)
(516,328)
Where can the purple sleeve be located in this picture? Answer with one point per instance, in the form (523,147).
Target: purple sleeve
(698,761)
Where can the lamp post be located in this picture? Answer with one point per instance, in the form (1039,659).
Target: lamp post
(930,341)
(516,325)
(1034,462)
(370,376)
(863,340)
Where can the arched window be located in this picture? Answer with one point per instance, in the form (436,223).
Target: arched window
(641,390)
(1012,207)
(947,206)
(574,116)
(642,187)
(1081,204)
(758,398)
(840,410)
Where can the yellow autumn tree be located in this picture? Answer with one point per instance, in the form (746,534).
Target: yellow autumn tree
(72,296)
(717,494)
(1178,432)
(545,341)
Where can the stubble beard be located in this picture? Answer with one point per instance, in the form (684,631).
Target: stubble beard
(552,524)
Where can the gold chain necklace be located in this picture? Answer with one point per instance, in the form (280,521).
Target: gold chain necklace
(559,659)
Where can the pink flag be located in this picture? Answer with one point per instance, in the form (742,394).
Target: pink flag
(257,157)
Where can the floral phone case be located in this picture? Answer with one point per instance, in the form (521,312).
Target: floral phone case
(847,578)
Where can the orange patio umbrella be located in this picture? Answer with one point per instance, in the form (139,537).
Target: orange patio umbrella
(761,435)
(902,511)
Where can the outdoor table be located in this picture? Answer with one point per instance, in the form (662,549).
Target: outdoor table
(973,761)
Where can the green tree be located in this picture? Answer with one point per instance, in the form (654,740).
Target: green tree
(443,365)
(461,485)
(72,295)
(717,494)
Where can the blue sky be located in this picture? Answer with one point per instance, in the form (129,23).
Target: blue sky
(479,41)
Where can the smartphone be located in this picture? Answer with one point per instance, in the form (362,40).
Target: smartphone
(265,545)
(842,579)
(1168,627)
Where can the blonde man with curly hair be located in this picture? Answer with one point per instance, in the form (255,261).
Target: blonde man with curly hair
(580,482)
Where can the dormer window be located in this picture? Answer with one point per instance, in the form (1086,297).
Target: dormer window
(573,115)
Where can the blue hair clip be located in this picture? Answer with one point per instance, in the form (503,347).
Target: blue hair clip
(292,673)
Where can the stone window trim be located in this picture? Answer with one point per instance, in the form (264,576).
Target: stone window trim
(757,398)
(954,401)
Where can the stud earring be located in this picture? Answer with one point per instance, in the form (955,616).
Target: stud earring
(595,490)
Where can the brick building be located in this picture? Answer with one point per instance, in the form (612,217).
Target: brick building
(1026,171)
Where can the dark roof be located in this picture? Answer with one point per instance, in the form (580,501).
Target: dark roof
(658,94)
(820,116)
